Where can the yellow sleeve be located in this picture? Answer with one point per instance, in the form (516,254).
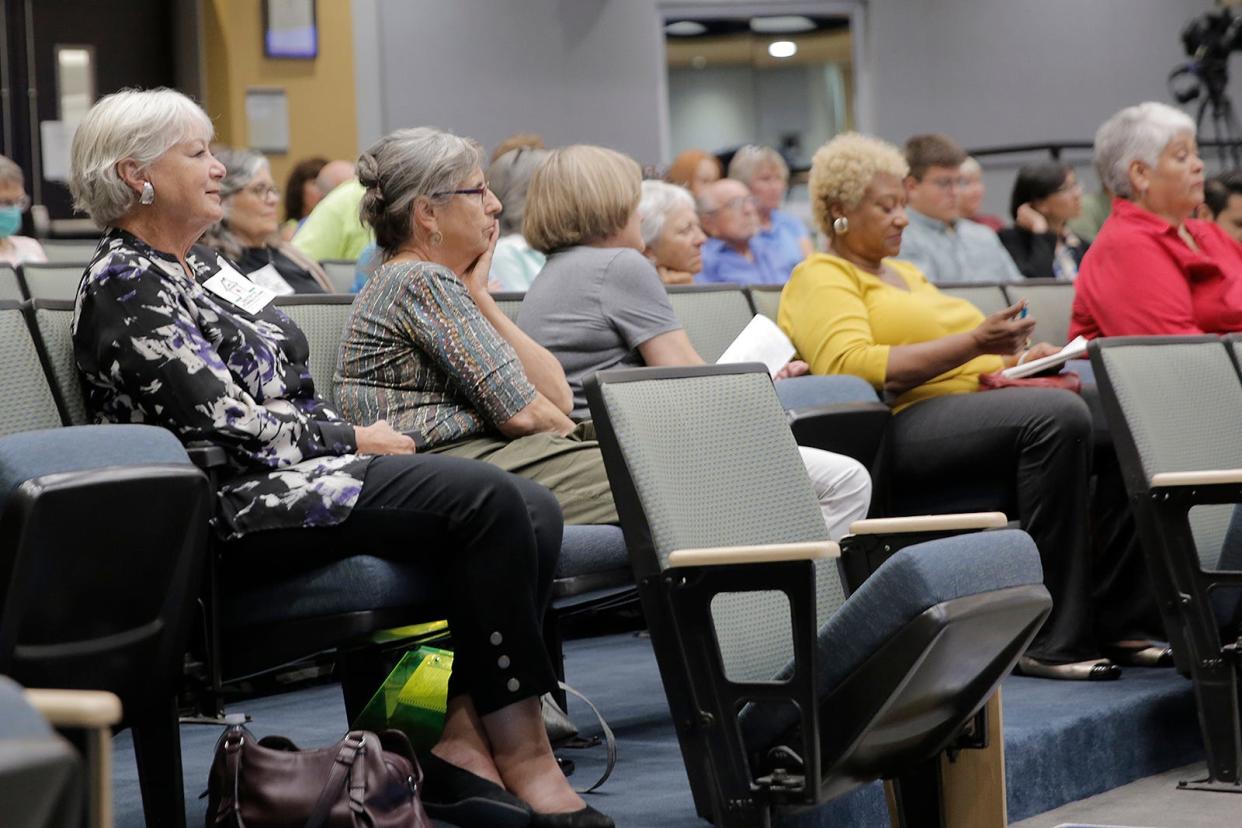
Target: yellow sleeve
(824,313)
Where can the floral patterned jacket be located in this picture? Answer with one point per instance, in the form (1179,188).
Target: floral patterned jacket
(154,346)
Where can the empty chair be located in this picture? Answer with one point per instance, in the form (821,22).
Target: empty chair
(323,320)
(987,298)
(783,692)
(1172,404)
(11,287)
(70,251)
(53,281)
(28,401)
(766,299)
(341,273)
(712,315)
(1050,302)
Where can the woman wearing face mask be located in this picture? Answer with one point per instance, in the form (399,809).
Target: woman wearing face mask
(249,232)
(15,249)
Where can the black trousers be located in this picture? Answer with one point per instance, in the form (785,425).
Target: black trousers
(1031,447)
(492,540)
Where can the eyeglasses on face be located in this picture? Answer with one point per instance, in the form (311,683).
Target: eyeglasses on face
(263,191)
(20,203)
(480,191)
(737,203)
(946,182)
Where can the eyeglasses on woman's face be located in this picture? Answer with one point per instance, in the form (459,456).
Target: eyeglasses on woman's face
(480,191)
(263,190)
(21,203)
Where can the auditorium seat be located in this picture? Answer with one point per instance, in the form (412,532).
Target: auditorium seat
(1172,404)
(988,298)
(712,315)
(784,692)
(341,273)
(70,251)
(11,287)
(53,281)
(766,299)
(1050,302)
(509,302)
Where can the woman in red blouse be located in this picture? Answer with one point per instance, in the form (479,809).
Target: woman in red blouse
(1153,269)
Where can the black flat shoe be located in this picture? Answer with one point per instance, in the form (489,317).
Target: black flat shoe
(1099,669)
(586,817)
(456,795)
(1149,656)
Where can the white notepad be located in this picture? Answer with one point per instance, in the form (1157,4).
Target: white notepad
(1074,350)
(760,341)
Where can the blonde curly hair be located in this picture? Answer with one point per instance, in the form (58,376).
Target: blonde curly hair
(843,168)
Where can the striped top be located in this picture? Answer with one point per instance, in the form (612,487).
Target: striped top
(418,353)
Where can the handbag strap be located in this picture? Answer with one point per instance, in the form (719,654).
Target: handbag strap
(232,741)
(354,743)
(609,739)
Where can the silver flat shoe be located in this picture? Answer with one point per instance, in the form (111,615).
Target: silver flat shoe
(1098,669)
(1150,656)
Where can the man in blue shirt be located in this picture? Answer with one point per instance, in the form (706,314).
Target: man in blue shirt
(942,244)
(737,252)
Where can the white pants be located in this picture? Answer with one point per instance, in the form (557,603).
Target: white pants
(842,487)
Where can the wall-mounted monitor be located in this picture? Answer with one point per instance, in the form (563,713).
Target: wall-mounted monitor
(290,29)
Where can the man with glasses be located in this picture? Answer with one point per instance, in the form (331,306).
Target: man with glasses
(735,251)
(945,246)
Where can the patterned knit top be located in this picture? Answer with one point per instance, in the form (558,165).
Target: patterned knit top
(420,354)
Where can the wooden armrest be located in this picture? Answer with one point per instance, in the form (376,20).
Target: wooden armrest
(76,708)
(1196,478)
(929,523)
(760,553)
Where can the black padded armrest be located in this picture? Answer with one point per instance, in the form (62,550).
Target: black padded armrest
(854,429)
(207,456)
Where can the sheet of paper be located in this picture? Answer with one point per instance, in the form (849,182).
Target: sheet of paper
(1075,349)
(760,341)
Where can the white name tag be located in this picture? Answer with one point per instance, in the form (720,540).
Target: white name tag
(269,277)
(236,289)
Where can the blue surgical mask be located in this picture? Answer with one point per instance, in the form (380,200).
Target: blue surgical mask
(10,221)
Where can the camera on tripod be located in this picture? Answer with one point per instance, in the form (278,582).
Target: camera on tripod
(1209,40)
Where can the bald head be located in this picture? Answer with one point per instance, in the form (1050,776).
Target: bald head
(333,174)
(728,211)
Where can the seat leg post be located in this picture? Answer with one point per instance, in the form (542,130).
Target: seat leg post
(157,749)
(554,643)
(1216,690)
(918,797)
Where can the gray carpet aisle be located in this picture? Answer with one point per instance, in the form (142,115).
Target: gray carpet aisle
(1064,740)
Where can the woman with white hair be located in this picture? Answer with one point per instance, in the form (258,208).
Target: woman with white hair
(765,173)
(182,340)
(15,249)
(515,264)
(672,237)
(249,232)
(1153,269)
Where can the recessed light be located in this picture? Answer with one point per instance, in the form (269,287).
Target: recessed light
(782,24)
(782,48)
(685,28)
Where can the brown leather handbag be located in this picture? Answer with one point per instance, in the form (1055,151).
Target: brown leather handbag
(363,781)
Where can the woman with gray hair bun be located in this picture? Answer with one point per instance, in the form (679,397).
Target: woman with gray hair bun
(515,264)
(672,237)
(249,232)
(182,340)
(1153,269)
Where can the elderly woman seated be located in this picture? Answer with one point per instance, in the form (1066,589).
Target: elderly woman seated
(766,175)
(858,310)
(599,304)
(515,264)
(428,349)
(248,234)
(15,249)
(1153,269)
(185,341)
(672,236)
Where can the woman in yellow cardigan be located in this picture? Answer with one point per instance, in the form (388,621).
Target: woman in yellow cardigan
(857,310)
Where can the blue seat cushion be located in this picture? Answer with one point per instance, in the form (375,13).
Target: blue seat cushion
(902,588)
(588,550)
(30,454)
(810,390)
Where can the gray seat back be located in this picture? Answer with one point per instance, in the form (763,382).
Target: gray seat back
(766,299)
(70,251)
(323,319)
(11,288)
(1180,399)
(712,315)
(988,298)
(510,302)
(54,322)
(741,481)
(341,273)
(53,281)
(1050,302)
(27,403)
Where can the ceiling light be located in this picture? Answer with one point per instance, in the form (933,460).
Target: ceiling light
(782,48)
(785,24)
(685,28)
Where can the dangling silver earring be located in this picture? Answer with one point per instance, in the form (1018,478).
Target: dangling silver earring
(840,226)
(148,193)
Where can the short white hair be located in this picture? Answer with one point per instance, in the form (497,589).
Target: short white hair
(660,198)
(1136,133)
(746,162)
(135,124)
